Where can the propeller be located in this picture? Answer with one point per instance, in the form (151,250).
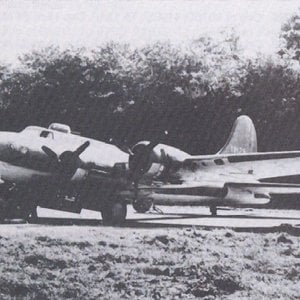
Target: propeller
(67,162)
(123,147)
(140,159)
(140,162)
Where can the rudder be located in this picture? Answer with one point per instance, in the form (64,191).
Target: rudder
(242,138)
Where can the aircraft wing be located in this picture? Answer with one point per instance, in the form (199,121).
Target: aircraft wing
(257,193)
(250,170)
(203,189)
(266,188)
(194,189)
(118,172)
(262,166)
(230,193)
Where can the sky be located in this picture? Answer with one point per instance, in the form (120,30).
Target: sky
(31,25)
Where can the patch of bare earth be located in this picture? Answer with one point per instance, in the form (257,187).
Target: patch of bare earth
(77,262)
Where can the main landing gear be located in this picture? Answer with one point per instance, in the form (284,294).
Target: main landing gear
(213,210)
(142,205)
(114,213)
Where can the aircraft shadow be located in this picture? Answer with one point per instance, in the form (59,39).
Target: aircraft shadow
(159,221)
(174,216)
(142,224)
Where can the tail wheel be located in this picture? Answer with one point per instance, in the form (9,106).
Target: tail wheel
(114,213)
(142,205)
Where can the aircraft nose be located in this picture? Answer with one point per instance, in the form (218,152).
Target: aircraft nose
(7,142)
(4,138)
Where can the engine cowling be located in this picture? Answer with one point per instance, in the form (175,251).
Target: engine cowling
(141,158)
(244,196)
(145,154)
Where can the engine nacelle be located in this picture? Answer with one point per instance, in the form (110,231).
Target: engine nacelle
(144,155)
(244,196)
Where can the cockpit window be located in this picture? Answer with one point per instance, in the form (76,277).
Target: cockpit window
(46,134)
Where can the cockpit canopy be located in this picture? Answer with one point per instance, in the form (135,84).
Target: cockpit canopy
(47,133)
(60,127)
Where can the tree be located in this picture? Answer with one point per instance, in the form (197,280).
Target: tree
(195,92)
(290,36)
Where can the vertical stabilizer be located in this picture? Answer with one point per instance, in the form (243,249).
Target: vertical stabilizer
(242,138)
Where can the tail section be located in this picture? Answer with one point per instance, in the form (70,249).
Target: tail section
(242,138)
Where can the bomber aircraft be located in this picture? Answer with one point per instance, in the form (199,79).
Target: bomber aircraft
(54,168)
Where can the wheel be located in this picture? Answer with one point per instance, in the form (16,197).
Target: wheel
(213,210)
(114,213)
(142,205)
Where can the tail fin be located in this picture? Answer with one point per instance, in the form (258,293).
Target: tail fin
(242,138)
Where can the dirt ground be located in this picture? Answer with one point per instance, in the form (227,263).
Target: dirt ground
(94,262)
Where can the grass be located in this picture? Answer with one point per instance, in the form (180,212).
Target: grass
(77,262)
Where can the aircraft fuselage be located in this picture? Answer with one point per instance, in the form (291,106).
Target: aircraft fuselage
(21,157)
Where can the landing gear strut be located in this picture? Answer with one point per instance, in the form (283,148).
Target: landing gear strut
(213,210)
(114,213)
(32,216)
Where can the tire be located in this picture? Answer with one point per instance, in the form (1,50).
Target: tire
(114,213)
(142,205)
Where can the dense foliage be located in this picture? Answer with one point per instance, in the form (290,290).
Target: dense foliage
(126,94)
(290,37)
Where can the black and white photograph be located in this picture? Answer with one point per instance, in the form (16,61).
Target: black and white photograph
(149,149)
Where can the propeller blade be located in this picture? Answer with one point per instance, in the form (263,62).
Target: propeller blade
(129,151)
(82,148)
(121,145)
(157,140)
(49,152)
(164,156)
(152,145)
(125,149)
